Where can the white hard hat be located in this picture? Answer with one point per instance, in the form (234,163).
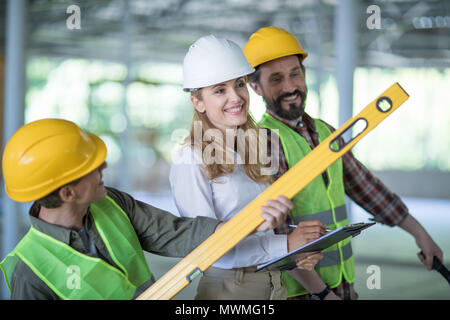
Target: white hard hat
(211,60)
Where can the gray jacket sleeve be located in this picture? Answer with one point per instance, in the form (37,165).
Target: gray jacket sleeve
(25,285)
(161,232)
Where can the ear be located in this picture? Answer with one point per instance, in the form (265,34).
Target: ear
(199,105)
(67,193)
(256,87)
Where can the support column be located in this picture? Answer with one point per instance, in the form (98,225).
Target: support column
(345,46)
(13,116)
(125,137)
(2,98)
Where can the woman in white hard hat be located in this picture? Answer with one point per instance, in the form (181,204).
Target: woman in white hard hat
(211,177)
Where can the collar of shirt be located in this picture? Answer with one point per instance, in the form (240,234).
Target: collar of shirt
(62,234)
(87,240)
(57,232)
(306,122)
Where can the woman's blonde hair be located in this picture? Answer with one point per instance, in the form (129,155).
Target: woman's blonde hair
(253,169)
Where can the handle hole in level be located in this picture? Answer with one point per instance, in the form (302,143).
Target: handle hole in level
(384,104)
(349,134)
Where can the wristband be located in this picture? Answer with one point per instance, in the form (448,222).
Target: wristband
(321,295)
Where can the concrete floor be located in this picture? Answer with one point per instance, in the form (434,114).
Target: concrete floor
(395,252)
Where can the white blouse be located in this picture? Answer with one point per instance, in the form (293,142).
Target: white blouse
(196,195)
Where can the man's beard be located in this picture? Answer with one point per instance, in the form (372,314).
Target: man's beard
(295,111)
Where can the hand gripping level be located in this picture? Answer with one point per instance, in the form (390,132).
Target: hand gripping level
(292,182)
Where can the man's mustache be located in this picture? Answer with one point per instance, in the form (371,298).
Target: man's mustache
(295,92)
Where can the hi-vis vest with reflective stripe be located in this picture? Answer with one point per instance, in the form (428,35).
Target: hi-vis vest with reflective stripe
(317,202)
(73,275)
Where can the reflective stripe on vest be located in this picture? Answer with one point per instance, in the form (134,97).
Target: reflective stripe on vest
(331,258)
(317,201)
(325,217)
(73,275)
(122,242)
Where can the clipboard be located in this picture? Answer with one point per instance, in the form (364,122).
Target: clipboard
(287,261)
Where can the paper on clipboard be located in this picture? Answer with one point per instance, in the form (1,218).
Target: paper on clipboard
(287,261)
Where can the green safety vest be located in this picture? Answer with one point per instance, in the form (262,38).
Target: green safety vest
(74,275)
(317,202)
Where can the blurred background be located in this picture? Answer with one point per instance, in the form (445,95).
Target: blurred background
(115,68)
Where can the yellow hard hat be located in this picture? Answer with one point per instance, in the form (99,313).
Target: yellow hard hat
(270,43)
(46,154)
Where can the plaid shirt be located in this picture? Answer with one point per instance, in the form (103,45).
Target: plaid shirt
(359,183)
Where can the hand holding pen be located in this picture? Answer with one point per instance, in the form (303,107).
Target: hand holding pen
(305,232)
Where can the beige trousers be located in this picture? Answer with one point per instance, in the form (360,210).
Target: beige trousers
(241,284)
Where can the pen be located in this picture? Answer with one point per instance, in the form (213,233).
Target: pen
(295,226)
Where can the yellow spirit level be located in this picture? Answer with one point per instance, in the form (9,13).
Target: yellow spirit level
(288,185)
